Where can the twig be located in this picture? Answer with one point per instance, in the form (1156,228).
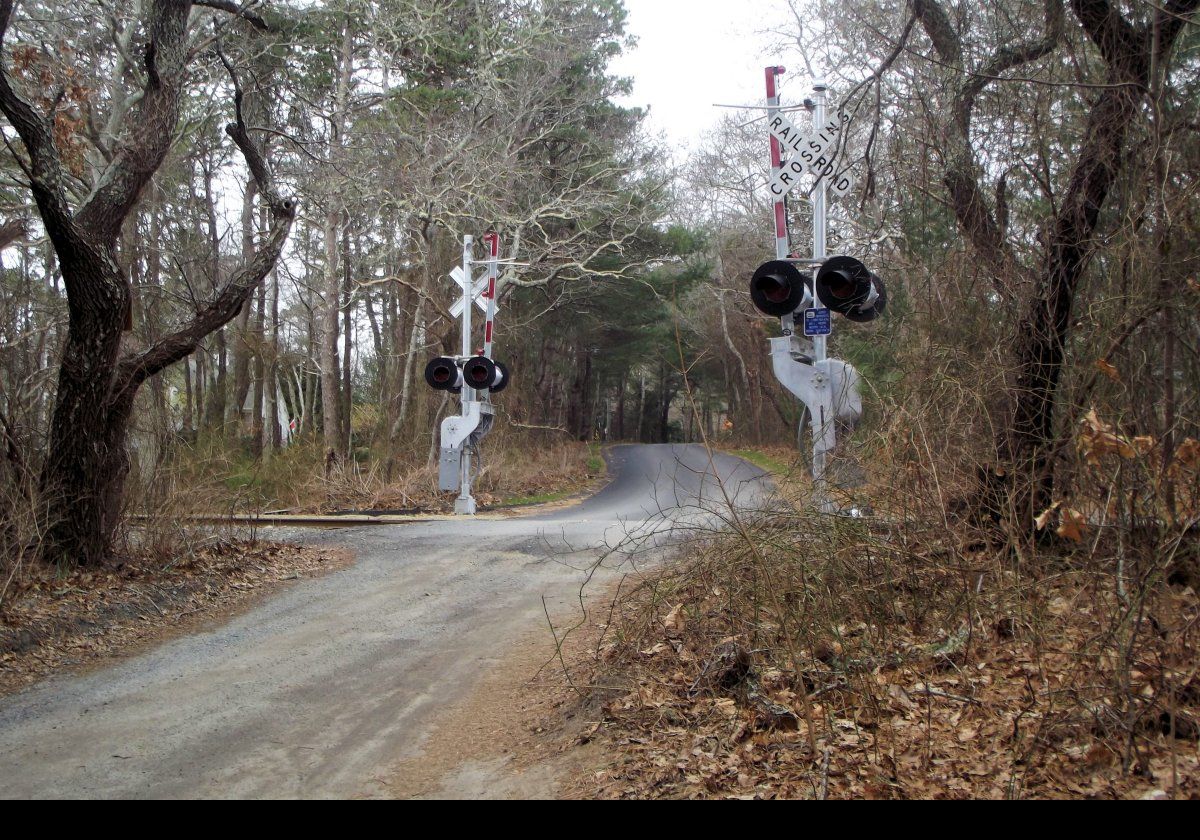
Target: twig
(542,428)
(825,776)
(933,692)
(558,643)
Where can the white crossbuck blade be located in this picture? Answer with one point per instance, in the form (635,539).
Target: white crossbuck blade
(807,155)
(478,288)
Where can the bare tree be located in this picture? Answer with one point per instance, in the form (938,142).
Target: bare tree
(1133,53)
(82,480)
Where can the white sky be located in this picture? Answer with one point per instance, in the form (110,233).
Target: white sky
(693,53)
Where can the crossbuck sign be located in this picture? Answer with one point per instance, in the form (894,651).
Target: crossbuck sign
(809,153)
(478,291)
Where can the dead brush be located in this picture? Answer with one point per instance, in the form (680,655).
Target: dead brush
(159,531)
(297,478)
(904,655)
(514,466)
(20,536)
(347,484)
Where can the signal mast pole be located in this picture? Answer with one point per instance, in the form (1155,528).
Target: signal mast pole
(823,430)
(828,387)
(472,374)
(824,434)
(819,197)
(465,503)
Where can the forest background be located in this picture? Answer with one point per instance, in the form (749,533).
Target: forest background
(227,231)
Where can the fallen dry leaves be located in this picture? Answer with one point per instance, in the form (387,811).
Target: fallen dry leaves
(1029,695)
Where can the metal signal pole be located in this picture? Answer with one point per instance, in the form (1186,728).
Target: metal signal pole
(827,387)
(824,433)
(465,503)
(819,196)
(472,374)
(801,372)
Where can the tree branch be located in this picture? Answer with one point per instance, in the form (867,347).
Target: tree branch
(962,179)
(225,304)
(12,230)
(46,174)
(141,151)
(941,32)
(1109,31)
(232,8)
(1006,58)
(1172,17)
(12,451)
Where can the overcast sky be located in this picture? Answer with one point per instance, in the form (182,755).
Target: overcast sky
(693,53)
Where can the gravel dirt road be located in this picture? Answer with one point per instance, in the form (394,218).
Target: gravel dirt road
(317,691)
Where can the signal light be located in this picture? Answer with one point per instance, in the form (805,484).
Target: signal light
(479,372)
(845,285)
(443,374)
(779,288)
(501,378)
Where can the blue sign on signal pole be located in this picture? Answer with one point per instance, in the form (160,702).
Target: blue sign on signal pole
(816,322)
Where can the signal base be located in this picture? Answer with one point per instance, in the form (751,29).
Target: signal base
(464,506)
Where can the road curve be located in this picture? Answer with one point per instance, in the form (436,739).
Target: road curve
(318,690)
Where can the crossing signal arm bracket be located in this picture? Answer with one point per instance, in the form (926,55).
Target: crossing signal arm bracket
(829,388)
(458,432)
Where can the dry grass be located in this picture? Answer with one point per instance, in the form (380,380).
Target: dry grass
(296,480)
(799,655)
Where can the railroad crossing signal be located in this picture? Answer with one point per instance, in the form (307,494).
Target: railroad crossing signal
(474,376)
(829,388)
(846,286)
(779,288)
(842,285)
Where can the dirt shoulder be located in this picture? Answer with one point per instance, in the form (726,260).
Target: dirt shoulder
(52,622)
(527,729)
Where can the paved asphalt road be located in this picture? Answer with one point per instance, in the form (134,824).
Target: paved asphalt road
(319,689)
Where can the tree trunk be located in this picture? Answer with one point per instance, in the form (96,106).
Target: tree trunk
(578,420)
(641,412)
(83,477)
(409,362)
(187,399)
(1027,446)
(1132,54)
(620,430)
(243,343)
(347,401)
(217,385)
(331,381)
(272,435)
(257,425)
(331,396)
(664,405)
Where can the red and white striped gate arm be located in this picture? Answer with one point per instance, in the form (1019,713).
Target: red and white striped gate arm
(493,270)
(781,235)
